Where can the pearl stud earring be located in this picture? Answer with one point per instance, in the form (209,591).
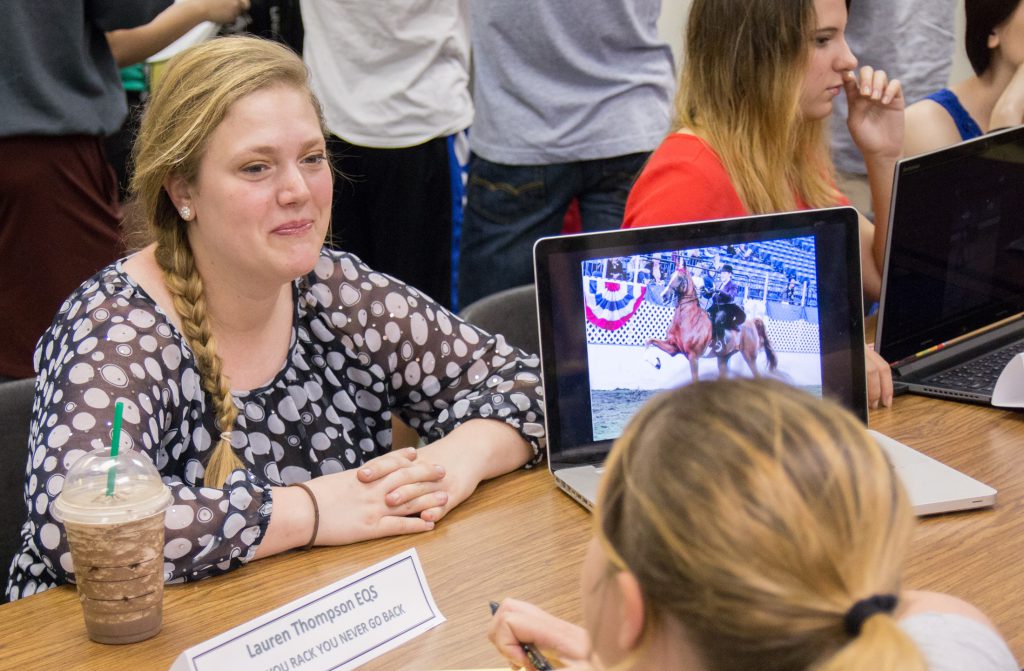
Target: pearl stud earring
(186,213)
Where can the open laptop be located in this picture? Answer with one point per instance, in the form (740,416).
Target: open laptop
(601,297)
(951,314)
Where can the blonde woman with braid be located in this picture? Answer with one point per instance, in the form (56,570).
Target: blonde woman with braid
(258,369)
(749,131)
(746,526)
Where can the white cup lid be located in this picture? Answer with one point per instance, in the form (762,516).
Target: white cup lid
(138,491)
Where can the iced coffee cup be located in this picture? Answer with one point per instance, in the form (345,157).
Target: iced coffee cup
(115,527)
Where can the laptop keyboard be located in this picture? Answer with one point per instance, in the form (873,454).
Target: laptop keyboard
(977,375)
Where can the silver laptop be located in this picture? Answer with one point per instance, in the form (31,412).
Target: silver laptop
(951,316)
(607,303)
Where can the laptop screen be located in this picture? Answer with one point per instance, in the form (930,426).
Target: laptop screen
(955,255)
(623,313)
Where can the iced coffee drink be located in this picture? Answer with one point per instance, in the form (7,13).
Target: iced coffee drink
(115,527)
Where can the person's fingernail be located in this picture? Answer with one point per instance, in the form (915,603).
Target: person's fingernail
(392,498)
(866,91)
(366,471)
(887,99)
(442,497)
(439,468)
(888,402)
(430,525)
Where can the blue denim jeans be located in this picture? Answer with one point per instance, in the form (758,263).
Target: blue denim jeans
(509,207)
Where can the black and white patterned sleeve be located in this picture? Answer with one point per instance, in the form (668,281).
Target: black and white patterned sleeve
(106,347)
(441,370)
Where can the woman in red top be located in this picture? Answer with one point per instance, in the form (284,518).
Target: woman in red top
(749,136)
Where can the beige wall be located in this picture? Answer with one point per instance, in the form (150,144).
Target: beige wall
(673,19)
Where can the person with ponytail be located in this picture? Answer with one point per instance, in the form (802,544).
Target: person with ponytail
(743,525)
(750,127)
(258,369)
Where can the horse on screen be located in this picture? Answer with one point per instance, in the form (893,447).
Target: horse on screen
(689,332)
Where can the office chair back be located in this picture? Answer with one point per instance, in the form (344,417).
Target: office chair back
(15,415)
(512,313)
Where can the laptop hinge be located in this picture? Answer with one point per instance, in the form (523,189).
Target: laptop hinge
(973,345)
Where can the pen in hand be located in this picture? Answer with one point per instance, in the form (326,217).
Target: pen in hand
(539,662)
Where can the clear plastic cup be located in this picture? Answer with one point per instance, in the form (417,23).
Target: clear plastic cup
(117,543)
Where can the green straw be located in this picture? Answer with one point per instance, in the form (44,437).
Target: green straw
(115,443)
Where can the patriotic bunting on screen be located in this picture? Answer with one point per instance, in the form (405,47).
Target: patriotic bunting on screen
(611,304)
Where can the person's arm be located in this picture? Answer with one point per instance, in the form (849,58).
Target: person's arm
(876,123)
(476,396)
(134,45)
(485,412)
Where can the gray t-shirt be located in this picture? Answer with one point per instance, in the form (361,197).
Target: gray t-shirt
(58,75)
(953,642)
(912,40)
(557,81)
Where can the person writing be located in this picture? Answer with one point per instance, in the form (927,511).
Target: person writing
(744,525)
(754,97)
(249,358)
(993,98)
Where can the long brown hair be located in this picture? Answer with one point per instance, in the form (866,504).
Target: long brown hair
(756,515)
(199,87)
(739,91)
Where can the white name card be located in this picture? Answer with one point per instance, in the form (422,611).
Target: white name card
(339,627)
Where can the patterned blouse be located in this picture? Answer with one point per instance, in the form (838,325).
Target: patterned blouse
(363,345)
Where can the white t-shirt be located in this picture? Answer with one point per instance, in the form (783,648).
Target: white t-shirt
(389,74)
(951,642)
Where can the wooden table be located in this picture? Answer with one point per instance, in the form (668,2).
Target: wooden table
(518,535)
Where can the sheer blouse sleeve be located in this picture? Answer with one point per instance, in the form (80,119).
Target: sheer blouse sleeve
(107,345)
(439,370)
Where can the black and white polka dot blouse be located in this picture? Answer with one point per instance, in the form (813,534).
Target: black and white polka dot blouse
(363,345)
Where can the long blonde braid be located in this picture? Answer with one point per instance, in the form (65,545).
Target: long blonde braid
(174,256)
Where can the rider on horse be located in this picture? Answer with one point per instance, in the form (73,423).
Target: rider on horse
(724,313)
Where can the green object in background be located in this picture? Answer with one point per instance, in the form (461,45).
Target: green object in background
(133,77)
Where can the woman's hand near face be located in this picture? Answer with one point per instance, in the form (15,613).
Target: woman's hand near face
(1009,108)
(876,123)
(875,115)
(517,622)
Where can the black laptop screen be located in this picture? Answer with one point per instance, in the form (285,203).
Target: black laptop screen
(622,314)
(955,259)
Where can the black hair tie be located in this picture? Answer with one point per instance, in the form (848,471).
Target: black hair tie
(865,608)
